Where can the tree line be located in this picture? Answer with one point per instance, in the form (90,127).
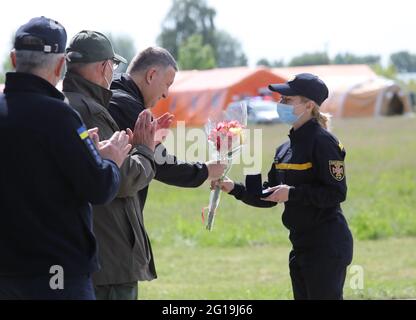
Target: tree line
(189,32)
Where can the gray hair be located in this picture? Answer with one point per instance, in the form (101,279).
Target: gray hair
(29,61)
(152,57)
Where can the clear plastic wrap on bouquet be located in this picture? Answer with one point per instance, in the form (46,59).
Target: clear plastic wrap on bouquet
(225,134)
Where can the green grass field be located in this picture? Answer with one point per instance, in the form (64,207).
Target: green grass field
(245,257)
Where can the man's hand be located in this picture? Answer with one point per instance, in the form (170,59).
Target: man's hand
(162,128)
(144,131)
(227,185)
(215,169)
(115,149)
(165,121)
(280,194)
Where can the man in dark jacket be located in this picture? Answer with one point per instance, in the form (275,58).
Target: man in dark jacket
(124,248)
(147,80)
(50,173)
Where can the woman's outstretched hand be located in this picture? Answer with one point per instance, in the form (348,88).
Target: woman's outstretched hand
(227,185)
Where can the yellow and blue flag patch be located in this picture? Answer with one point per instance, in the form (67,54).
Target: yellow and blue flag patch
(83,133)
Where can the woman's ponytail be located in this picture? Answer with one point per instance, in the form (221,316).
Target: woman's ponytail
(324,119)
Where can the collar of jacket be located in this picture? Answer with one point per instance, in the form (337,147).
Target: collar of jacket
(125,83)
(75,83)
(304,132)
(27,82)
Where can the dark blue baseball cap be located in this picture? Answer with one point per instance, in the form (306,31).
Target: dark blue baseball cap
(41,34)
(306,85)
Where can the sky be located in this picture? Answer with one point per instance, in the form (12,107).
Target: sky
(274,29)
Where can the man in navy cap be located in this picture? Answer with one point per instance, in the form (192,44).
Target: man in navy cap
(51,170)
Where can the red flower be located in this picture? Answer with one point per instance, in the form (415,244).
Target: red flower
(224,133)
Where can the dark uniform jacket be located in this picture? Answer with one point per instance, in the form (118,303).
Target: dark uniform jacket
(125,253)
(312,163)
(125,106)
(50,172)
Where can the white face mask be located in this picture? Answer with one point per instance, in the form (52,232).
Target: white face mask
(108,82)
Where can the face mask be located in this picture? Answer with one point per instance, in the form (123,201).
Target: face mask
(108,82)
(286,113)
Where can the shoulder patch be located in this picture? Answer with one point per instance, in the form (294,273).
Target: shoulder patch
(337,169)
(83,134)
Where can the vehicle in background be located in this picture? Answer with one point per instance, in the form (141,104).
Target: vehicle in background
(260,111)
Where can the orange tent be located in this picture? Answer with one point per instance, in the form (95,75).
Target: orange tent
(355,90)
(197,95)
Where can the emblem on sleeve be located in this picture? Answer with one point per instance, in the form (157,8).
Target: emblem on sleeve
(337,169)
(83,133)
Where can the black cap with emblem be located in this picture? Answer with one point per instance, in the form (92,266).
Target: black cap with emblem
(41,34)
(304,84)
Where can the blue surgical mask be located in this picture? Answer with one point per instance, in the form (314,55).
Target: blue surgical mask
(286,113)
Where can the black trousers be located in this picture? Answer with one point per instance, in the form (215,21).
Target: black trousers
(125,291)
(38,288)
(317,275)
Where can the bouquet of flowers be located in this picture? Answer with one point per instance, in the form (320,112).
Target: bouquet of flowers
(225,135)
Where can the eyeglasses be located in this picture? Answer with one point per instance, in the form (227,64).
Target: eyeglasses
(115,64)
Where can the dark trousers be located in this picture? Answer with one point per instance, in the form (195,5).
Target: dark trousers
(125,291)
(38,288)
(317,276)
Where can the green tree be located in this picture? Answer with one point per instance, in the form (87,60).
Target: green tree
(193,54)
(6,65)
(124,46)
(349,58)
(388,72)
(404,61)
(185,18)
(411,86)
(195,17)
(229,52)
(310,59)
(270,64)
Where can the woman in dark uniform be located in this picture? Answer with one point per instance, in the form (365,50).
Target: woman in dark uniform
(308,176)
